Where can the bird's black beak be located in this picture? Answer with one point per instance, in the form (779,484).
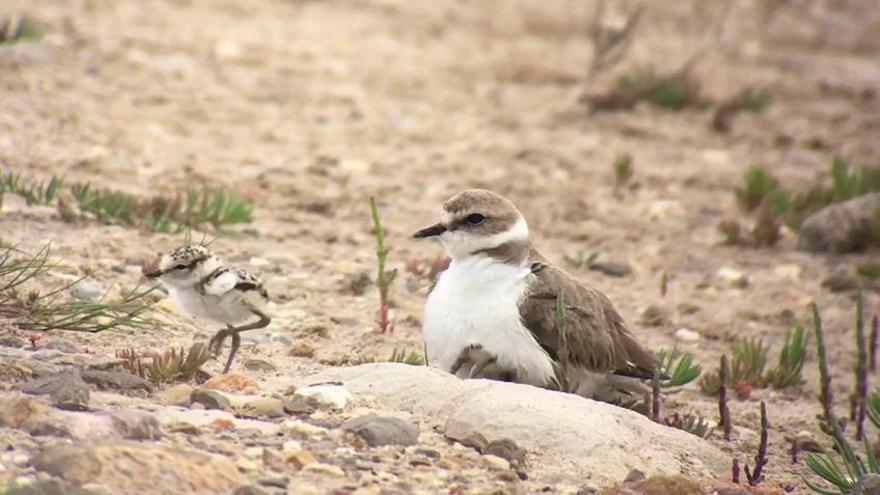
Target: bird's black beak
(430,231)
(150,268)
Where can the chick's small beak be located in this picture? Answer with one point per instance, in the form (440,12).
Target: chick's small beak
(431,231)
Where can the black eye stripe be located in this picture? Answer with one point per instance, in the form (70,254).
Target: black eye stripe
(475,219)
(463,222)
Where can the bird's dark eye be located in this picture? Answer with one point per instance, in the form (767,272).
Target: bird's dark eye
(475,219)
(180,267)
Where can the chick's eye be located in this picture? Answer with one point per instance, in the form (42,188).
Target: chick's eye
(180,267)
(475,219)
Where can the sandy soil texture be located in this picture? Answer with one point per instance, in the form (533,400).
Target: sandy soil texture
(312,107)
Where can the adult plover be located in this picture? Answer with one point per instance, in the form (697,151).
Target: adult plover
(493,312)
(204,287)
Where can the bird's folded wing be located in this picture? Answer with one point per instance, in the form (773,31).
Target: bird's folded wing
(222,283)
(593,335)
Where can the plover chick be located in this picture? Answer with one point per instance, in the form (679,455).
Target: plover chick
(493,314)
(197,279)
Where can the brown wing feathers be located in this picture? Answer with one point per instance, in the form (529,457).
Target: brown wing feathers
(596,337)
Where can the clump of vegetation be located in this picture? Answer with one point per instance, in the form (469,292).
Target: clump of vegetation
(678,366)
(868,269)
(787,372)
(216,207)
(775,205)
(623,172)
(746,100)
(675,91)
(746,367)
(691,423)
(169,366)
(384,278)
(19,28)
(732,232)
(674,369)
(824,465)
(873,409)
(193,208)
(33,310)
(760,187)
(407,357)
(749,363)
(33,192)
(763,195)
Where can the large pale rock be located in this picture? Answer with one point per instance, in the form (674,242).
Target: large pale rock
(567,438)
(844,227)
(131,467)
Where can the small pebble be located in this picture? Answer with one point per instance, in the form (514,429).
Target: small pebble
(733,277)
(686,335)
(297,426)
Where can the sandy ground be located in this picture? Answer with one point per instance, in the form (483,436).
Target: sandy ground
(312,107)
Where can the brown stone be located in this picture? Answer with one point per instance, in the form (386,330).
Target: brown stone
(302,349)
(129,467)
(232,382)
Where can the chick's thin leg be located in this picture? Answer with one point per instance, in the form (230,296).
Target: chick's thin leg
(465,357)
(485,359)
(216,342)
(236,339)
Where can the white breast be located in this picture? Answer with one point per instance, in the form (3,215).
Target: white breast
(228,307)
(476,301)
